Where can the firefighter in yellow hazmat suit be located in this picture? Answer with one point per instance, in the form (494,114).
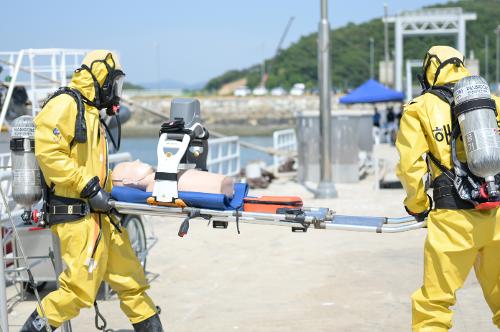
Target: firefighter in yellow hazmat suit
(71,148)
(459,237)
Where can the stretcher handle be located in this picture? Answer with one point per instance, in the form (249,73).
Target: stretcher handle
(183,230)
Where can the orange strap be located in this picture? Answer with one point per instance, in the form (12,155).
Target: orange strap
(177,203)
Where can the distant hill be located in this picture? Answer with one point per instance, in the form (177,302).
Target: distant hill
(132,86)
(350,50)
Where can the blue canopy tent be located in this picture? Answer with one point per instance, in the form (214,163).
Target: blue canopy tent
(372,92)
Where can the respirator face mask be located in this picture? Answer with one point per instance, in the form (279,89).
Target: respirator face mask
(108,98)
(111,91)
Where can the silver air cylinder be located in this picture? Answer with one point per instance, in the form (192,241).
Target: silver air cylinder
(478,124)
(26,184)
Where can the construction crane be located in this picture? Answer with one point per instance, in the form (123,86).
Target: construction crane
(265,73)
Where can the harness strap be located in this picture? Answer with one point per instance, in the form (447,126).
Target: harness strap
(446,196)
(22,144)
(165,176)
(79,209)
(64,209)
(80,123)
(475,104)
(441,167)
(443,191)
(443,92)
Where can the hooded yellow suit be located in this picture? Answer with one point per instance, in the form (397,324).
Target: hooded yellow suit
(457,239)
(67,167)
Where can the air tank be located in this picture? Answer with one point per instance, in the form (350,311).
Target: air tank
(26,183)
(478,124)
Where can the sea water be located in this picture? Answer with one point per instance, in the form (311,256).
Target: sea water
(144,148)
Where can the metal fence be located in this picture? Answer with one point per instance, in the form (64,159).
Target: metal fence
(41,71)
(224,155)
(283,140)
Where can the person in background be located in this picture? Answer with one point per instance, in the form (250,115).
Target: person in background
(376,126)
(391,125)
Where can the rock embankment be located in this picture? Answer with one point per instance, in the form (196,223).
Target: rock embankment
(230,115)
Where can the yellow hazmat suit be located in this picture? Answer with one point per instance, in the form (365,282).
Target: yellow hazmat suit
(457,239)
(67,167)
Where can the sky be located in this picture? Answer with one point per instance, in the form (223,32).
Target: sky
(189,41)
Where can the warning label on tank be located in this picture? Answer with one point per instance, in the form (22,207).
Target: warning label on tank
(471,92)
(22,132)
(482,139)
(26,177)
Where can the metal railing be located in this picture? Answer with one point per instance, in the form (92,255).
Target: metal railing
(40,70)
(119,157)
(283,140)
(224,155)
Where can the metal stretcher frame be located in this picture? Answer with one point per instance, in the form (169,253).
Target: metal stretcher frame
(318,218)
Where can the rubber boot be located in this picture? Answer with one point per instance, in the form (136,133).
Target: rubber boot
(35,323)
(152,324)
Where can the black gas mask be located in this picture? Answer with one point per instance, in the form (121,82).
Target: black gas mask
(108,97)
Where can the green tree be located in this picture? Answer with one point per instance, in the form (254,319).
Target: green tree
(350,50)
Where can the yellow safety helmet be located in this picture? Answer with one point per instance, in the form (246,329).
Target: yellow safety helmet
(443,65)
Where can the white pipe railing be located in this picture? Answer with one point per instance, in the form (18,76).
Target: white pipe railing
(224,155)
(12,83)
(46,68)
(119,157)
(283,140)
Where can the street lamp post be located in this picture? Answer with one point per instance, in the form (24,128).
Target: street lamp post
(386,44)
(326,187)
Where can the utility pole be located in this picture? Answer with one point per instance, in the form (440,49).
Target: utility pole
(486,58)
(326,187)
(372,58)
(386,43)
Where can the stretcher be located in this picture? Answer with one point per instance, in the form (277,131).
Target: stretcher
(221,211)
(318,218)
(180,147)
